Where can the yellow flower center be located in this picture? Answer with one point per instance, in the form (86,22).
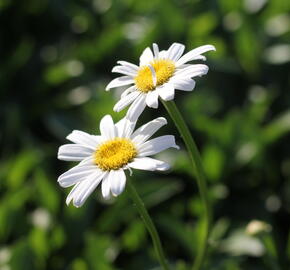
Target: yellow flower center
(164,69)
(114,154)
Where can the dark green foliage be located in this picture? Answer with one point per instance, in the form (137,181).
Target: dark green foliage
(56,58)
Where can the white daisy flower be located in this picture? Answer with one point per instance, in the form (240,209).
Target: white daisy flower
(104,158)
(158,75)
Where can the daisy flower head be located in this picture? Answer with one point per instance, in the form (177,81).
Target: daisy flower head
(158,75)
(104,158)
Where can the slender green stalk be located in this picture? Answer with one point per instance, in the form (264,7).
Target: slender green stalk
(148,223)
(200,177)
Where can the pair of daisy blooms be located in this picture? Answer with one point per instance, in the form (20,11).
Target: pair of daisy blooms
(104,158)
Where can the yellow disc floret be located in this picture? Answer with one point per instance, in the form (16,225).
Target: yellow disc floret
(114,154)
(164,69)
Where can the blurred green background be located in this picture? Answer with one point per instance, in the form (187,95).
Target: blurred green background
(56,57)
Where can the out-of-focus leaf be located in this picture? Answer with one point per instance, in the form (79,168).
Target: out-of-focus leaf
(93,50)
(248,55)
(38,241)
(158,190)
(134,236)
(100,252)
(22,256)
(277,128)
(46,191)
(202,25)
(79,264)
(60,72)
(219,230)
(182,234)
(11,211)
(213,162)
(57,238)
(22,165)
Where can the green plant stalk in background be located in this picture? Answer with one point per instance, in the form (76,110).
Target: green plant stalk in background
(200,177)
(148,223)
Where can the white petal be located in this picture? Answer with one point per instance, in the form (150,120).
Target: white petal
(121,81)
(155,50)
(106,186)
(181,83)
(200,57)
(73,152)
(149,164)
(125,128)
(163,54)
(75,175)
(125,101)
(136,108)
(146,57)
(87,187)
(166,91)
(156,145)
(175,51)
(128,91)
(83,138)
(146,131)
(152,99)
(72,193)
(194,54)
(129,65)
(118,181)
(124,70)
(153,74)
(107,127)
(87,161)
(192,71)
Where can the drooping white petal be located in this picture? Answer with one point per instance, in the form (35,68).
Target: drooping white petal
(146,57)
(166,91)
(125,101)
(120,81)
(75,175)
(146,131)
(107,127)
(73,152)
(72,193)
(124,70)
(152,99)
(87,187)
(156,145)
(194,54)
(118,181)
(129,65)
(83,138)
(106,186)
(136,108)
(156,50)
(149,164)
(175,51)
(181,83)
(192,71)
(125,128)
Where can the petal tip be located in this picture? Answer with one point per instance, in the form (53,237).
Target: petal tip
(176,146)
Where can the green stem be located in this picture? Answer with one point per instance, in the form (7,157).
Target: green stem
(148,223)
(200,177)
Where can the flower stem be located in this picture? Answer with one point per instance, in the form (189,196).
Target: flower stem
(148,223)
(200,177)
